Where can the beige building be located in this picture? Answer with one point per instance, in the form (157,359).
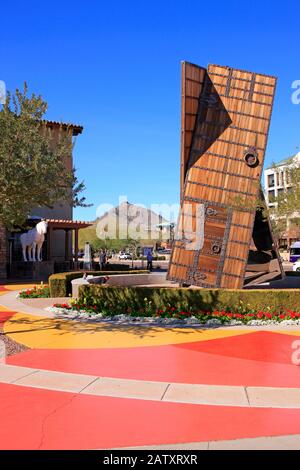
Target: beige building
(277,182)
(61,241)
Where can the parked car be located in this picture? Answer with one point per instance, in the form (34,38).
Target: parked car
(295,252)
(296,266)
(125,256)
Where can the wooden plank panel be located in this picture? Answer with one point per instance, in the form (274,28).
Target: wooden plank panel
(208,263)
(222,180)
(237,250)
(210,278)
(244,218)
(229,282)
(190,92)
(230,119)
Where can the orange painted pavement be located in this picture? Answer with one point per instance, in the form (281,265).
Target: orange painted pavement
(42,419)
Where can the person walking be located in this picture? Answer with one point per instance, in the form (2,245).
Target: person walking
(149,261)
(101,259)
(104,258)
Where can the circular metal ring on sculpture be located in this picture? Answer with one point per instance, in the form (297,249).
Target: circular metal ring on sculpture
(251,159)
(216,248)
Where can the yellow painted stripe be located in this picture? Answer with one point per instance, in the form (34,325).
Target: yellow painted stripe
(40,332)
(18,287)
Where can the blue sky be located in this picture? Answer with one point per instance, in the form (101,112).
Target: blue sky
(114,67)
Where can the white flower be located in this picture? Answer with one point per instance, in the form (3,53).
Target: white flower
(83,315)
(120,317)
(191,321)
(213,322)
(235,322)
(168,321)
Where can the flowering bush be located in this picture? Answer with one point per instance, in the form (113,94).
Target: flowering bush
(239,316)
(40,291)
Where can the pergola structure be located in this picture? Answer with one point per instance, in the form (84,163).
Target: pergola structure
(68,226)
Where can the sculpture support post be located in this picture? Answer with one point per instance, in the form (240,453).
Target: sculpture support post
(76,248)
(49,242)
(67,256)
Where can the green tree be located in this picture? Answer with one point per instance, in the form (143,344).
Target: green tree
(33,171)
(133,246)
(108,244)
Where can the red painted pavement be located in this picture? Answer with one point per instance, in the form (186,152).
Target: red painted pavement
(4,316)
(34,418)
(256,359)
(264,346)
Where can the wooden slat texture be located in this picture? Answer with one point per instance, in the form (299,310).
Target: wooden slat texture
(225,114)
(191,88)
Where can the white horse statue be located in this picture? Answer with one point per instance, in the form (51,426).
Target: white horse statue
(33,241)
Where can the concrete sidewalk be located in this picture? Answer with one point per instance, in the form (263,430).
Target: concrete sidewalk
(198,394)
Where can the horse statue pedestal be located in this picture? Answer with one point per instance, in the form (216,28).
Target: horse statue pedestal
(31,270)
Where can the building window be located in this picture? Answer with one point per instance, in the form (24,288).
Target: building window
(271,180)
(280,191)
(288,178)
(271,195)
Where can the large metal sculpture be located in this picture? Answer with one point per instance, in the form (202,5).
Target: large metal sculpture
(222,239)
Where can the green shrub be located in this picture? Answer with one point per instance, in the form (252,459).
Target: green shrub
(60,284)
(119,299)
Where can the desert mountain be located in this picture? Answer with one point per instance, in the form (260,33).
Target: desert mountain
(125,221)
